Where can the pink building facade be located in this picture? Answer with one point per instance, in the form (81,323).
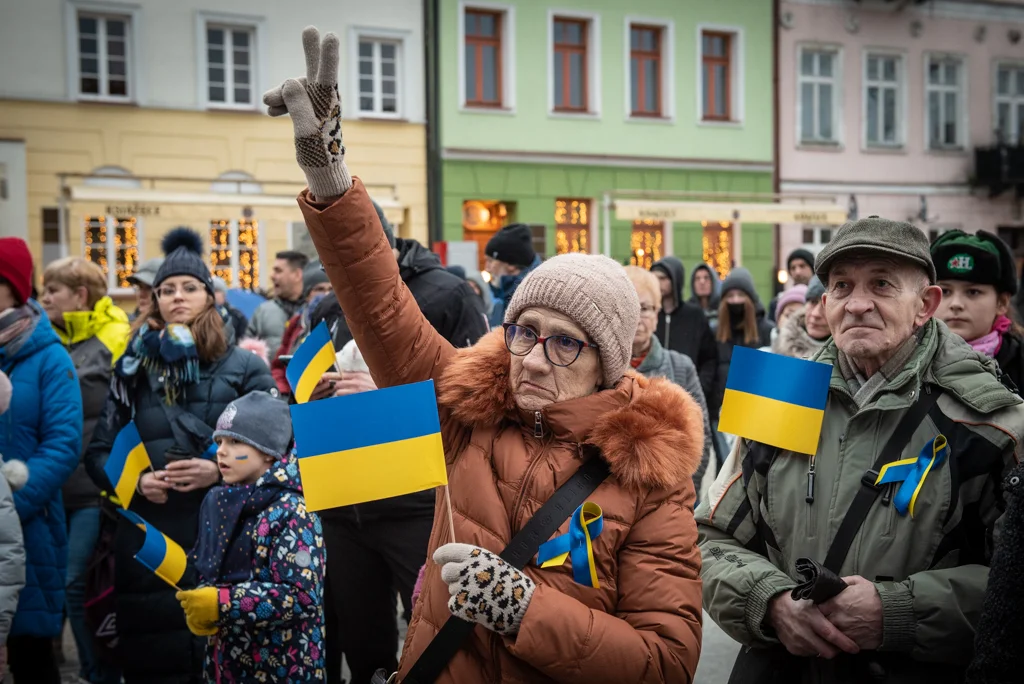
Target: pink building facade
(882,106)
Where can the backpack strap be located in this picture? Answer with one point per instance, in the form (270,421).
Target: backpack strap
(520,550)
(869,491)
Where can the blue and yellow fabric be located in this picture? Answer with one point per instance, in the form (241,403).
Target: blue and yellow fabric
(311,360)
(912,473)
(577,545)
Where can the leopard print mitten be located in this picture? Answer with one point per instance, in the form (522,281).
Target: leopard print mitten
(484,588)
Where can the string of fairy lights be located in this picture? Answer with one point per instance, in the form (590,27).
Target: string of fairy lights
(119,248)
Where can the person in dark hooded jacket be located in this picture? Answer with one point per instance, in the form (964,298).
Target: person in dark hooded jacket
(682,327)
(381,545)
(179,372)
(706,291)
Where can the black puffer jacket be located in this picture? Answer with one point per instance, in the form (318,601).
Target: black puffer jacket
(455,311)
(998,657)
(1011,359)
(154,643)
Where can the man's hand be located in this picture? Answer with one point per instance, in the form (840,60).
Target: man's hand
(192,474)
(354,382)
(804,631)
(154,486)
(857,612)
(315,109)
(325,387)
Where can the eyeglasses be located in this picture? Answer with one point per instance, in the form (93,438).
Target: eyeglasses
(168,292)
(648,310)
(559,350)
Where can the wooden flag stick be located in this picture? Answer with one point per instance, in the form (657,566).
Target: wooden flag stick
(448,502)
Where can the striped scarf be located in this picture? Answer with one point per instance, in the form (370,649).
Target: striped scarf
(170,353)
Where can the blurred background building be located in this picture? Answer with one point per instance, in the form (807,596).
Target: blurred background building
(122,120)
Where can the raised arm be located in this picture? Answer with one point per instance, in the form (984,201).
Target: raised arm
(398,343)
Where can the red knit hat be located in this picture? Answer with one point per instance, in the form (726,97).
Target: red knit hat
(16,267)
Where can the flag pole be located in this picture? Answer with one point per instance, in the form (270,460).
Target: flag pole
(448,502)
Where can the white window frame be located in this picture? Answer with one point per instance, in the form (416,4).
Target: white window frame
(133,53)
(961,90)
(111,275)
(816,245)
(508,57)
(257,57)
(261,243)
(404,67)
(1013,100)
(593,21)
(737,77)
(668,68)
(836,81)
(901,98)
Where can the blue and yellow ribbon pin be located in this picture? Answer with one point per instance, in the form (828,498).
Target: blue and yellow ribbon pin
(584,527)
(912,473)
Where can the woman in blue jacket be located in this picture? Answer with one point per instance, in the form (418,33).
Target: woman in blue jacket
(43,429)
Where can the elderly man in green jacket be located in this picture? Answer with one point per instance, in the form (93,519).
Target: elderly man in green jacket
(915,577)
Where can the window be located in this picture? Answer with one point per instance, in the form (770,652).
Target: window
(378,76)
(647,242)
(234,252)
(716,243)
(572,226)
(1010,103)
(483,58)
(570,65)
(819,89)
(112,242)
(944,102)
(816,238)
(481,219)
(229,66)
(716,75)
(103,48)
(645,70)
(883,85)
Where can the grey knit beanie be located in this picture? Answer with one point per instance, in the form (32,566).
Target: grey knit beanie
(815,289)
(596,294)
(259,420)
(740,279)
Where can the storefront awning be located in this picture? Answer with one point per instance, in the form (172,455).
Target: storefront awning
(393,210)
(744,212)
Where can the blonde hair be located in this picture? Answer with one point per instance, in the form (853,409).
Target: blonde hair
(76,272)
(645,281)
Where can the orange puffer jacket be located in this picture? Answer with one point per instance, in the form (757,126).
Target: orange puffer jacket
(644,622)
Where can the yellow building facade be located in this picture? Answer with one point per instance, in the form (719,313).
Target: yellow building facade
(108,181)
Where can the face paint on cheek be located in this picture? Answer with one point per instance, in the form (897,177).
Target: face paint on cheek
(243,457)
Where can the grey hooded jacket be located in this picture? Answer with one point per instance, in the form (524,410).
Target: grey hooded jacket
(12,547)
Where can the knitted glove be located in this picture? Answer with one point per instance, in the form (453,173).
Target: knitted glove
(315,107)
(202,610)
(484,588)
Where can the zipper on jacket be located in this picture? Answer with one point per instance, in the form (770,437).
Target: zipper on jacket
(668,329)
(538,425)
(538,429)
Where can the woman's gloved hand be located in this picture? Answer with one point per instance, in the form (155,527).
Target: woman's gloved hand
(315,108)
(484,588)
(202,610)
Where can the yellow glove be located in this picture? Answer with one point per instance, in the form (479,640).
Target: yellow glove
(202,609)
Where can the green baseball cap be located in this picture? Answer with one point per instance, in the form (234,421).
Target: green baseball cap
(878,236)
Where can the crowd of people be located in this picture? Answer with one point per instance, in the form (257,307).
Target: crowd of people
(568,377)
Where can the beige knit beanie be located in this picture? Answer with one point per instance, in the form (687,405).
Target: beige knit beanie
(596,294)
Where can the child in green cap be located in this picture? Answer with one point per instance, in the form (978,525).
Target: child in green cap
(977,274)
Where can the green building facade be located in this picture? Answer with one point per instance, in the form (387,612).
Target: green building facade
(547,111)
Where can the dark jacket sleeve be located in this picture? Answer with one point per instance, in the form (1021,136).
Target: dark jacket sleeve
(465,318)
(114,417)
(707,368)
(257,376)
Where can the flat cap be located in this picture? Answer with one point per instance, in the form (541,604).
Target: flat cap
(882,237)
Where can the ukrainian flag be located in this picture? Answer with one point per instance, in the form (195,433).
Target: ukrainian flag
(312,359)
(369,446)
(776,400)
(159,553)
(127,461)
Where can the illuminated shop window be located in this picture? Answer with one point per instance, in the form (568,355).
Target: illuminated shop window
(572,226)
(717,245)
(234,252)
(647,242)
(113,244)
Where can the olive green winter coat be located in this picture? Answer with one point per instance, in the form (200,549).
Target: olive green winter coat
(930,570)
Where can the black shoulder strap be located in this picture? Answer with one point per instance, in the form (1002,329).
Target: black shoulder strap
(519,551)
(868,492)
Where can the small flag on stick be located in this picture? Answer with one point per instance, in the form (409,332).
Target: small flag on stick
(127,461)
(159,553)
(776,400)
(353,449)
(311,360)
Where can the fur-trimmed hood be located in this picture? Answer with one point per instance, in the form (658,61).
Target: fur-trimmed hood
(649,431)
(793,340)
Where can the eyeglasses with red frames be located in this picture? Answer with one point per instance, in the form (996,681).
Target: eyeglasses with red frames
(559,350)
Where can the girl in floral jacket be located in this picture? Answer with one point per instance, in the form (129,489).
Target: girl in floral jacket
(260,556)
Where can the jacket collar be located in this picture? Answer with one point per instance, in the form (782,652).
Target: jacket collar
(106,321)
(654,359)
(648,430)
